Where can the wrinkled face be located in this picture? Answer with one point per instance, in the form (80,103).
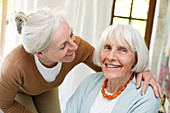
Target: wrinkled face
(116,59)
(62,47)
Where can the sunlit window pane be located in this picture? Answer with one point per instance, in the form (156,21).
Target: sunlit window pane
(122,8)
(140,26)
(120,21)
(140,9)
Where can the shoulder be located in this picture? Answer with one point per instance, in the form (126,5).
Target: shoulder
(136,102)
(15,60)
(149,92)
(150,96)
(15,55)
(147,101)
(147,98)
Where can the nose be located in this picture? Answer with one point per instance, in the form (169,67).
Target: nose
(112,55)
(73,45)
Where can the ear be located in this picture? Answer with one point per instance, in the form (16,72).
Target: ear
(38,53)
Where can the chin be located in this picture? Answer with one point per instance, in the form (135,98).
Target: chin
(68,60)
(110,75)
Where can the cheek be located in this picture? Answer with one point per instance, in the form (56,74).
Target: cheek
(133,60)
(129,62)
(102,57)
(58,54)
(63,53)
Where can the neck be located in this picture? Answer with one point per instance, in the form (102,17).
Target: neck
(113,85)
(47,63)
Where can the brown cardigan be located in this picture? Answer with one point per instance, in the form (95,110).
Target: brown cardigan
(19,73)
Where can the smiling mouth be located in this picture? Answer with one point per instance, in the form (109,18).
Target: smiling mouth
(112,66)
(70,54)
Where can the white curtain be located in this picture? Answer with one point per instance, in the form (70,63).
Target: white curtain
(12,39)
(88,18)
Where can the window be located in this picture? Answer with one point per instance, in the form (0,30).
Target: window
(5,10)
(138,13)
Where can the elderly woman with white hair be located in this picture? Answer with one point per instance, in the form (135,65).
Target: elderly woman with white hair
(121,53)
(31,72)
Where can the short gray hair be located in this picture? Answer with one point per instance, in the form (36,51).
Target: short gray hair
(38,27)
(132,37)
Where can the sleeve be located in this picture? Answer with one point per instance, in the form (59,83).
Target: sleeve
(147,104)
(85,52)
(75,101)
(10,81)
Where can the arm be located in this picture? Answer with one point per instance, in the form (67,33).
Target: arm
(10,81)
(148,80)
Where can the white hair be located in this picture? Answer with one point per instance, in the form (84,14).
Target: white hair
(129,34)
(38,29)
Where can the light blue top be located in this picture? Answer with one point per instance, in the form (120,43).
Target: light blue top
(130,100)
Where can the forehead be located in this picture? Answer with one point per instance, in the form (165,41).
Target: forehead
(63,33)
(64,28)
(119,41)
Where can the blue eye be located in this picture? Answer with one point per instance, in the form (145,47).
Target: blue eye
(123,50)
(108,47)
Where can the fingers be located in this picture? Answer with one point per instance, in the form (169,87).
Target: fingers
(138,80)
(156,88)
(144,87)
(160,91)
(148,80)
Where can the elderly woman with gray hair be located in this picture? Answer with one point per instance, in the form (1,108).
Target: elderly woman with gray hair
(121,53)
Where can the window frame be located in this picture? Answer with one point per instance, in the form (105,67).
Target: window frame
(149,20)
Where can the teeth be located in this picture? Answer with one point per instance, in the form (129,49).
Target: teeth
(69,54)
(111,66)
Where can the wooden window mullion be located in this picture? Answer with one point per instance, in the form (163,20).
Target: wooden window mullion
(149,25)
(113,12)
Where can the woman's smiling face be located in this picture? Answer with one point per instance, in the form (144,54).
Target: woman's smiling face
(62,47)
(116,59)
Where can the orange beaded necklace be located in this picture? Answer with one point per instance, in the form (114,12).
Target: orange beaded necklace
(115,94)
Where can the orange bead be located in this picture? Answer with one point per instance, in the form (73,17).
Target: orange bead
(102,90)
(104,95)
(103,86)
(119,92)
(126,85)
(109,97)
(105,82)
(123,88)
(114,95)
